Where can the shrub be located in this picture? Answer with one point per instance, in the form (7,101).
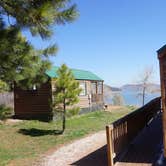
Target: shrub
(3,87)
(118,100)
(131,107)
(73,111)
(5,112)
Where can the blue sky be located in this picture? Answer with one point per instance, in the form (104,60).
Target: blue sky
(116,39)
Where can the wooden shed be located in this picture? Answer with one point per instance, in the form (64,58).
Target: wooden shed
(162,61)
(35,103)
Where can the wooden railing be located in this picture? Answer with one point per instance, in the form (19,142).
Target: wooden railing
(97,97)
(123,131)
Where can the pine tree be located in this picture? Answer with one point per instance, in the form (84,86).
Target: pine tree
(38,15)
(20,62)
(67,91)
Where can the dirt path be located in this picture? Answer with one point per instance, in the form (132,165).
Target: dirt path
(79,149)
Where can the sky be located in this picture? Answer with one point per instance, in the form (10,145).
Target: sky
(115,39)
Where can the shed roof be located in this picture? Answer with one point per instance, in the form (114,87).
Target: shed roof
(78,74)
(163,48)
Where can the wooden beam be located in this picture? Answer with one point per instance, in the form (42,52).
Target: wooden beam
(163,95)
(109,145)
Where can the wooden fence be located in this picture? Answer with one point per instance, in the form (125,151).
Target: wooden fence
(7,99)
(123,131)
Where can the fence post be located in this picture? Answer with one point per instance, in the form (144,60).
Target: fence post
(109,145)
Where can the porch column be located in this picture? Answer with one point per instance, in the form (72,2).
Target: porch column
(162,62)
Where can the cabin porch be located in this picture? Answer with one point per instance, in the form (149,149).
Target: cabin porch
(134,140)
(137,138)
(146,149)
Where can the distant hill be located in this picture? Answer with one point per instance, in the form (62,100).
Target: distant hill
(151,88)
(110,89)
(115,89)
(129,92)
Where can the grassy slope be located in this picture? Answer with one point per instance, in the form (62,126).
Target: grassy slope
(22,143)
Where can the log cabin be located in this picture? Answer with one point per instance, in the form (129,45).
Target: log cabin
(35,103)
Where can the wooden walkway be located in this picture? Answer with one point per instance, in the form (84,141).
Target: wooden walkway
(144,150)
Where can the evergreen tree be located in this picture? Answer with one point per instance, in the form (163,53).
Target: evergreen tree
(19,61)
(38,15)
(67,91)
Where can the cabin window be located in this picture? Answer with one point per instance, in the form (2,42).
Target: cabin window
(83,87)
(100,88)
(94,87)
(53,87)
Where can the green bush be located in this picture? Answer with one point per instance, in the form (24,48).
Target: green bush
(5,112)
(3,87)
(131,107)
(73,111)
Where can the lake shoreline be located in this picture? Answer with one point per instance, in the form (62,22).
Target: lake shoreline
(132,97)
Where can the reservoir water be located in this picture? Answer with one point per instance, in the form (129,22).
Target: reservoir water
(132,97)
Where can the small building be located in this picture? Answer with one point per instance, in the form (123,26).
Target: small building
(35,103)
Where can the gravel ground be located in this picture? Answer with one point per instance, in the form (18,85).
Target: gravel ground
(71,153)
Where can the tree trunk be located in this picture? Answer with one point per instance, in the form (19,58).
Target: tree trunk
(64,117)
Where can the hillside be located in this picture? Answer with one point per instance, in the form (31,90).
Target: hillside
(151,88)
(110,88)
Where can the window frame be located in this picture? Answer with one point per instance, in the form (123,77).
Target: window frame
(92,87)
(84,91)
(100,85)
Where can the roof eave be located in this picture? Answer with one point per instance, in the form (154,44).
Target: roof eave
(161,52)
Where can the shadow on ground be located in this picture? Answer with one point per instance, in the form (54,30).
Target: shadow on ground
(96,158)
(39,132)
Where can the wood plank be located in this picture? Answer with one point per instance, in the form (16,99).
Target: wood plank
(29,103)
(146,147)
(109,145)
(163,95)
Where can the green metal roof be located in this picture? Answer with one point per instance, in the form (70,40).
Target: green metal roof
(78,74)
